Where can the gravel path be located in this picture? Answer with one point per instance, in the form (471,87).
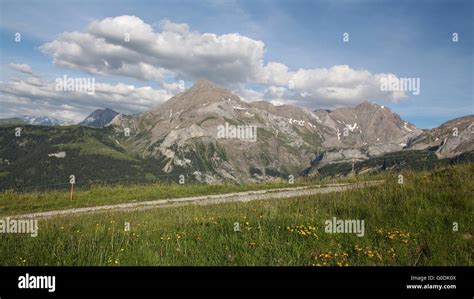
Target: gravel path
(205,200)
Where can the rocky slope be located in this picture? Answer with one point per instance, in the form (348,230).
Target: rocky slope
(361,132)
(451,142)
(452,138)
(208,134)
(184,133)
(99,118)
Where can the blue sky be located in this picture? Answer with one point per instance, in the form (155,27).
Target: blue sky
(405,38)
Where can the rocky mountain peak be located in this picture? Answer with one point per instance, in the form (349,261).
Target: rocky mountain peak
(99,118)
(366,104)
(201,94)
(204,84)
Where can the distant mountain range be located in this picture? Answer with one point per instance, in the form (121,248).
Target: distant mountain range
(33,120)
(97,119)
(209,134)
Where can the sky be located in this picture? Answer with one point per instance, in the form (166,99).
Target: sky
(313,54)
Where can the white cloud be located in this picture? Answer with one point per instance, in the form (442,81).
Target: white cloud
(103,50)
(127,46)
(167,25)
(38,96)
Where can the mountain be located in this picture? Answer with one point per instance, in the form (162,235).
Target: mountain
(183,131)
(361,132)
(11,121)
(452,138)
(44,157)
(365,125)
(208,134)
(99,118)
(41,120)
(452,142)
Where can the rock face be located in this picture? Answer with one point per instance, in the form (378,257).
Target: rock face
(359,133)
(365,124)
(205,132)
(449,140)
(99,118)
(452,138)
(185,132)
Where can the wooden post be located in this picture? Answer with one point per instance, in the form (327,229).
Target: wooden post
(72,181)
(72,190)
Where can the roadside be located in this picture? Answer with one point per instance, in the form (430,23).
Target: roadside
(205,200)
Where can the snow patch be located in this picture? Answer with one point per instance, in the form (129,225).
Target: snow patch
(299,122)
(406,127)
(351,128)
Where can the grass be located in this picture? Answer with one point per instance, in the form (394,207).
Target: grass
(14,203)
(92,146)
(408,224)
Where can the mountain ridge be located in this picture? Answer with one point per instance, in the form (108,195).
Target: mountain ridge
(293,136)
(181,136)
(99,118)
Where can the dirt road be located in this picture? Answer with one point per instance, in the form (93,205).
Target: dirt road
(205,200)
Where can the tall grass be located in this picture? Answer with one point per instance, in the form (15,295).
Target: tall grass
(13,202)
(405,224)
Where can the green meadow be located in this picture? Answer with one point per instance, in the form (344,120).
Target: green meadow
(427,220)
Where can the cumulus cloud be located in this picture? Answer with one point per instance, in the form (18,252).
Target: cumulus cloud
(127,46)
(335,86)
(38,96)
